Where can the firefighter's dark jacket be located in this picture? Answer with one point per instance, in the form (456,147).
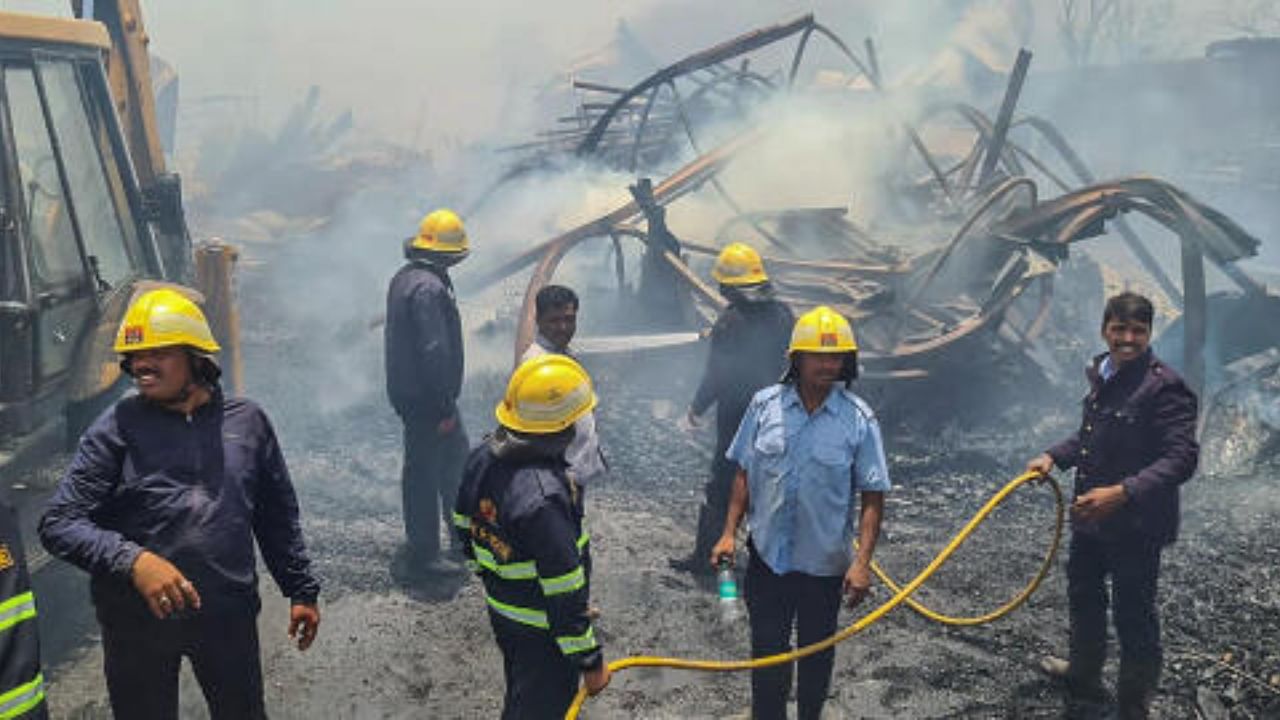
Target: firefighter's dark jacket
(423,343)
(521,522)
(21,682)
(196,490)
(748,353)
(1139,430)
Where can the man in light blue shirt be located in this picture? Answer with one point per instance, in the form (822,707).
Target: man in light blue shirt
(811,475)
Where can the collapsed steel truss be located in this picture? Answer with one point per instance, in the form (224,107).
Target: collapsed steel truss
(911,309)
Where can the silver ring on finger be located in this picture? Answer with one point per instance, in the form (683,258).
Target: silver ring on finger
(164,600)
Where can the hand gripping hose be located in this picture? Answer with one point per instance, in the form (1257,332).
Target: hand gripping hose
(901,595)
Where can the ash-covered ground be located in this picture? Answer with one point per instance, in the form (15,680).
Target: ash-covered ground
(391,649)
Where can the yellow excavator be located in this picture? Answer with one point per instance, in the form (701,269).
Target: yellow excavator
(89,216)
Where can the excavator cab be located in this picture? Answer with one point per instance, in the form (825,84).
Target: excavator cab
(77,233)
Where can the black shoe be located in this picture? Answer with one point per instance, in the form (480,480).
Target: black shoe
(441,566)
(1078,709)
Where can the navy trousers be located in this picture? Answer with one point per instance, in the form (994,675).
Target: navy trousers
(541,682)
(143,655)
(429,483)
(1133,567)
(776,604)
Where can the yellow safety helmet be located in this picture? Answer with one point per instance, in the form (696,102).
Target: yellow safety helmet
(441,231)
(739,264)
(822,330)
(546,394)
(164,318)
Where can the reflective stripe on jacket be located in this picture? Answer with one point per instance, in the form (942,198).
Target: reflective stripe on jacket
(522,529)
(21,682)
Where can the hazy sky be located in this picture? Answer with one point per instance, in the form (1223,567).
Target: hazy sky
(461,71)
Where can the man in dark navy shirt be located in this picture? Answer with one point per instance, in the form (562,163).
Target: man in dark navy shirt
(1135,447)
(161,505)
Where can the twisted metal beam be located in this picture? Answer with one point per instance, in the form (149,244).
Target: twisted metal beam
(712,56)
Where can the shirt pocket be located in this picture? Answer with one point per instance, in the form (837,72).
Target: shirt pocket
(770,447)
(833,452)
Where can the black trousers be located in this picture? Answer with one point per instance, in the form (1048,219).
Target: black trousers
(715,506)
(1133,566)
(143,655)
(775,603)
(541,682)
(429,482)
(718,490)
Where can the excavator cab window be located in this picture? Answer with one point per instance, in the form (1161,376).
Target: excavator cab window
(110,245)
(55,256)
(81,235)
(77,231)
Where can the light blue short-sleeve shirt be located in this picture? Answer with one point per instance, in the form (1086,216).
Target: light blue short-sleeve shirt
(804,474)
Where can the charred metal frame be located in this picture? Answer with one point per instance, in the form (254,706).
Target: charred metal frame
(990,193)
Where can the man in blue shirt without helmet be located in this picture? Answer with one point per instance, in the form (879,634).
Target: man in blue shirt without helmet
(811,474)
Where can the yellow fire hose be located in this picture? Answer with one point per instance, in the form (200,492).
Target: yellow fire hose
(901,595)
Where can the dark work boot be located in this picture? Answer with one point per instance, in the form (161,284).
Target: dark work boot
(1087,699)
(1136,687)
(1087,685)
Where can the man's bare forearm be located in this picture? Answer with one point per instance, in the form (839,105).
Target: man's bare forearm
(872,511)
(738,502)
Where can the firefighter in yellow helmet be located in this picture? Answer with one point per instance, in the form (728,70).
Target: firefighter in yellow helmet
(747,353)
(810,432)
(520,517)
(423,352)
(162,503)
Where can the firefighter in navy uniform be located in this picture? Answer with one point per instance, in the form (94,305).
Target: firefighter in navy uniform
(162,504)
(424,368)
(748,353)
(21,682)
(520,518)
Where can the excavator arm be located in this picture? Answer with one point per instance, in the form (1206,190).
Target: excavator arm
(129,72)
(129,68)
